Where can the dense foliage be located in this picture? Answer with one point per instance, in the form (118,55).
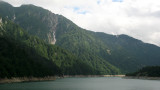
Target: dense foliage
(38,21)
(130,54)
(150,71)
(100,53)
(124,52)
(18,59)
(25,55)
(83,44)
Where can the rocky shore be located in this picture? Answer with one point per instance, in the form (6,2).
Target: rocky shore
(26,79)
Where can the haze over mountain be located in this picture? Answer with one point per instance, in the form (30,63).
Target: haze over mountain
(92,52)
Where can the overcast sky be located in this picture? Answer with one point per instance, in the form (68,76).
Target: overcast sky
(137,18)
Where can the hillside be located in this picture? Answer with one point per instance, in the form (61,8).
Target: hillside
(18,58)
(131,54)
(104,53)
(151,71)
(38,23)
(24,55)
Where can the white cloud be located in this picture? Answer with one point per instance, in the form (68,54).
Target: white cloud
(137,18)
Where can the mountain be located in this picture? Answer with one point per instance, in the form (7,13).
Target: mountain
(23,55)
(35,25)
(104,53)
(130,54)
(36,20)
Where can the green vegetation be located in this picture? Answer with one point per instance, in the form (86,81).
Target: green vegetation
(25,55)
(123,52)
(87,52)
(18,58)
(129,54)
(149,71)
(39,22)
(84,45)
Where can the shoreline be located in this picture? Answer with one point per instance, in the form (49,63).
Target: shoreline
(65,76)
(26,79)
(142,77)
(49,78)
(52,78)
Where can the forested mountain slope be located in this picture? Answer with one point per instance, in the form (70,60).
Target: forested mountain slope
(104,53)
(23,55)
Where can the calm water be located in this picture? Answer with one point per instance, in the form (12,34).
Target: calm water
(92,83)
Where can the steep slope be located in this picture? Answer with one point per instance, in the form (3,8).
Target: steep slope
(44,24)
(17,59)
(103,52)
(35,20)
(25,55)
(122,51)
(83,44)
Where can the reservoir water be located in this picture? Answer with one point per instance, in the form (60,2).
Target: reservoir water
(88,83)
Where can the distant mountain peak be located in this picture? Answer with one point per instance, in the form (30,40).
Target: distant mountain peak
(4,3)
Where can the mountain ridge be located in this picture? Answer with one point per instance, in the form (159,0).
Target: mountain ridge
(102,51)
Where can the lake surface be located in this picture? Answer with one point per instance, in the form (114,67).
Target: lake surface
(88,83)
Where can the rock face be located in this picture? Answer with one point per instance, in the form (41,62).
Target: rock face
(35,20)
(52,25)
(0,22)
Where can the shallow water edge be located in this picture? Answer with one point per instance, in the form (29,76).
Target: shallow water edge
(48,78)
